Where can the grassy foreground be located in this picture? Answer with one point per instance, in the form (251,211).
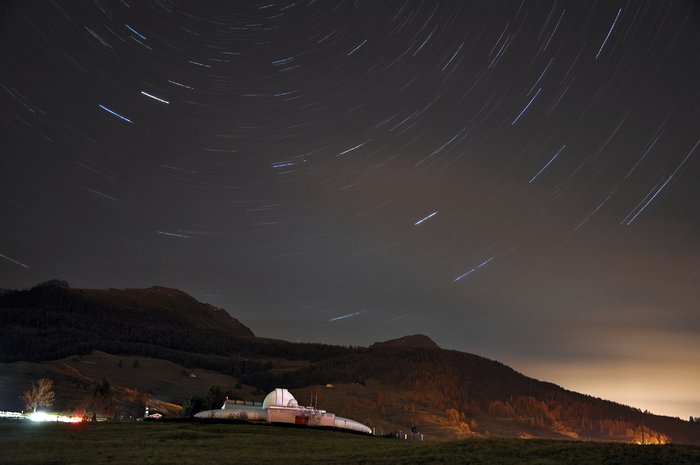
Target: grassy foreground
(203,444)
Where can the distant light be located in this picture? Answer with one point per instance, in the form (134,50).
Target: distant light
(40,416)
(44,417)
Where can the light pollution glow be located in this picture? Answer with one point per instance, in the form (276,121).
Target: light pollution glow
(651,374)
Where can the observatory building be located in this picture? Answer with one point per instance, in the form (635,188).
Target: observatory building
(280,406)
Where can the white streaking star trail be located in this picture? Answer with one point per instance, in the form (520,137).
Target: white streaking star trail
(425,219)
(154,97)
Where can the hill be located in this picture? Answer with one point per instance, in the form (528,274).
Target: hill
(49,322)
(417,341)
(390,385)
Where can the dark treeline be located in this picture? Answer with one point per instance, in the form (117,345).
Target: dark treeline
(50,322)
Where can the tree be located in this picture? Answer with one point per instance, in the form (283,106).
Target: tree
(215,397)
(104,389)
(193,405)
(54,283)
(102,402)
(39,395)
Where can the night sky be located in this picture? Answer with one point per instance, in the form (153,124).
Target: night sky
(516,180)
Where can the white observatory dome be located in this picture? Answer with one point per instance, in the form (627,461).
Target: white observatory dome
(280,398)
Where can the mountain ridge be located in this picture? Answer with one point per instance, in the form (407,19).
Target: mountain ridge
(402,381)
(415,340)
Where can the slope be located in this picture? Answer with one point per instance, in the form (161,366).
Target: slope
(393,385)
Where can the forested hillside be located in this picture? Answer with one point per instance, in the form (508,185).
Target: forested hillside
(469,393)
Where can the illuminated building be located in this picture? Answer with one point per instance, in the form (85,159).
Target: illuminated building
(280,406)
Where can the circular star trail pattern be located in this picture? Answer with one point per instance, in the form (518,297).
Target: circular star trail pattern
(517,180)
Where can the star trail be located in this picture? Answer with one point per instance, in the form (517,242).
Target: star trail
(514,179)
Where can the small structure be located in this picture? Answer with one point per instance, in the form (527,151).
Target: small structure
(280,406)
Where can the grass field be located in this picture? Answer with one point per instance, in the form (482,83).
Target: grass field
(202,444)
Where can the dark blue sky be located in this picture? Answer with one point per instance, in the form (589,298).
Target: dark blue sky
(517,180)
